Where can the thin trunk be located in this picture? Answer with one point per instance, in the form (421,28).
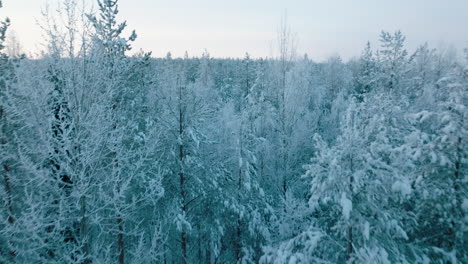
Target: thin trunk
(458,200)
(350,243)
(350,248)
(60,126)
(84,231)
(210,253)
(120,227)
(6,179)
(183,235)
(263,135)
(11,219)
(119,220)
(200,251)
(238,243)
(183,194)
(284,183)
(120,241)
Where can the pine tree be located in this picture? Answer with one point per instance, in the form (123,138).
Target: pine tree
(392,57)
(355,212)
(109,42)
(436,148)
(366,74)
(7,252)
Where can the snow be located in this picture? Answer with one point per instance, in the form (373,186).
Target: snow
(403,187)
(465,205)
(346,205)
(134,163)
(292,260)
(365,232)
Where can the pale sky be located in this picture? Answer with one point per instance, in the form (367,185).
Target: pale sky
(231,28)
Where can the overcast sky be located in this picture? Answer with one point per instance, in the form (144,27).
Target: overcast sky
(231,28)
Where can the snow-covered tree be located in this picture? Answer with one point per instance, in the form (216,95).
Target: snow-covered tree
(436,148)
(366,74)
(351,188)
(110,157)
(7,250)
(392,57)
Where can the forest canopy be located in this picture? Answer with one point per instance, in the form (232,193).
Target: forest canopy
(108,157)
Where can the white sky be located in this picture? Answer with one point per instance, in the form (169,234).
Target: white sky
(229,28)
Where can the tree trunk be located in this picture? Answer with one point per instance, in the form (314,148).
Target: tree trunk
(350,248)
(120,241)
(120,227)
(455,226)
(84,231)
(11,219)
(183,194)
(183,234)
(6,179)
(237,243)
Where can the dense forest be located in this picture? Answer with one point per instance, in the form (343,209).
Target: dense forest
(114,158)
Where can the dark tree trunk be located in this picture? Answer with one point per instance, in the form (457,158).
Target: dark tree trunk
(120,240)
(455,226)
(350,247)
(10,217)
(84,231)
(183,193)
